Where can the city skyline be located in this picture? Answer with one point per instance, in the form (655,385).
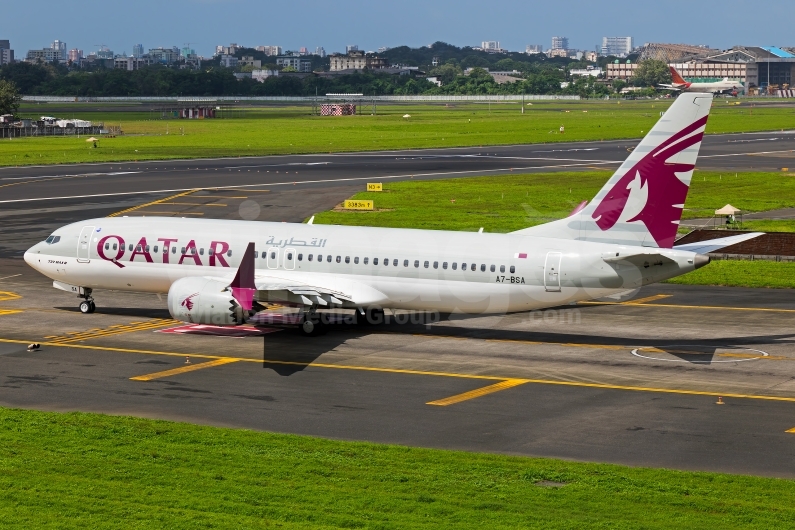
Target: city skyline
(463,23)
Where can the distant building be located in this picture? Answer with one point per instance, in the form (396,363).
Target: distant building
(248,60)
(138,51)
(129,63)
(227,50)
(490,46)
(228,61)
(383,49)
(104,53)
(591,71)
(262,75)
(351,48)
(75,56)
(533,49)
(560,43)
(6,53)
(300,65)
(591,57)
(46,55)
(164,55)
(270,50)
(186,52)
(61,47)
(435,80)
(303,51)
(558,52)
(618,46)
(320,51)
(356,60)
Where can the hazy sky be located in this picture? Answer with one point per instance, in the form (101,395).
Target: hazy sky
(206,23)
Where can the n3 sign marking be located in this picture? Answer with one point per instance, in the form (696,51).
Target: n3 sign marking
(375,186)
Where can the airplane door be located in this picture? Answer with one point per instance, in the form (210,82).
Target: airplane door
(273,257)
(84,244)
(289,259)
(552,271)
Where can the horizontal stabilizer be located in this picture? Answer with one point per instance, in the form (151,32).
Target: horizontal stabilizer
(641,259)
(711,245)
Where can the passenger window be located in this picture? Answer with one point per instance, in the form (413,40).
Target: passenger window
(300,257)
(339,259)
(455,265)
(356,260)
(463,266)
(513,269)
(289,255)
(405,263)
(146,248)
(502,268)
(435,264)
(256,253)
(273,255)
(473,267)
(320,257)
(114,246)
(229,253)
(173,250)
(444,265)
(366,260)
(375,261)
(394,262)
(426,264)
(210,252)
(309,257)
(328,258)
(416,263)
(155,249)
(483,267)
(182,251)
(138,248)
(130,247)
(107,246)
(386,262)
(347,259)
(493,268)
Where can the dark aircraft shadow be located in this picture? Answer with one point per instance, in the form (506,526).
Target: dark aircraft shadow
(136,312)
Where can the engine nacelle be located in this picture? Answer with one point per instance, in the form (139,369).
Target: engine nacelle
(204,301)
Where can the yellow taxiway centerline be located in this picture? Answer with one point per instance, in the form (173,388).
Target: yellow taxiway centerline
(144,205)
(647,299)
(479,392)
(9,311)
(419,372)
(184,369)
(791,430)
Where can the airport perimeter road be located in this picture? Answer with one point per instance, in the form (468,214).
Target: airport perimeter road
(112,181)
(633,383)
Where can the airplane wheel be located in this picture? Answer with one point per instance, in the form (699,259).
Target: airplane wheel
(93,307)
(312,328)
(85,307)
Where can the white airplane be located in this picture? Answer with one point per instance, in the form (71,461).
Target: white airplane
(724,86)
(621,241)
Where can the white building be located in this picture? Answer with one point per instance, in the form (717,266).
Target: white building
(351,48)
(560,43)
(490,46)
(617,46)
(320,51)
(533,49)
(228,61)
(300,65)
(270,50)
(262,75)
(590,71)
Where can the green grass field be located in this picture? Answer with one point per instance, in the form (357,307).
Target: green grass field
(512,202)
(284,130)
(92,471)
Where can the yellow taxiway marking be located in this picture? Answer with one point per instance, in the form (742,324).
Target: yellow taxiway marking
(116,329)
(791,430)
(416,372)
(223,197)
(9,311)
(194,204)
(648,299)
(533,342)
(172,213)
(681,306)
(144,205)
(8,295)
(184,369)
(472,394)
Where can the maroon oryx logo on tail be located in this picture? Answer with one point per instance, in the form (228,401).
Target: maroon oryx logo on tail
(666,193)
(188,302)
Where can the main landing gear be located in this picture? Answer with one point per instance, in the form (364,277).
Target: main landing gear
(87,305)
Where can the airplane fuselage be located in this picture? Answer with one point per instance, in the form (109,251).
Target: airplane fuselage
(395,268)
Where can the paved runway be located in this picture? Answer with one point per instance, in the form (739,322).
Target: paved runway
(629,383)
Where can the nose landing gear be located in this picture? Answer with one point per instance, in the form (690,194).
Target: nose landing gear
(87,305)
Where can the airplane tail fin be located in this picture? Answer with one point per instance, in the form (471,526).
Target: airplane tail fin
(642,202)
(243,286)
(675,77)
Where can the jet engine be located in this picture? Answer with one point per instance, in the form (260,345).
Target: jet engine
(205,301)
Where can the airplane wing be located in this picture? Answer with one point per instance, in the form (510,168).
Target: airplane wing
(711,245)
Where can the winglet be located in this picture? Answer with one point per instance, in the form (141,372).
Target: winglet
(243,287)
(580,207)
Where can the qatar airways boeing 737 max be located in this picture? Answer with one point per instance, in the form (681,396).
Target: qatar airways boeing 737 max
(223,272)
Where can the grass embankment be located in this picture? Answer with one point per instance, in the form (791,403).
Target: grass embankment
(268,131)
(512,202)
(88,470)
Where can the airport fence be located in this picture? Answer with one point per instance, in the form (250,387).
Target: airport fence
(298,99)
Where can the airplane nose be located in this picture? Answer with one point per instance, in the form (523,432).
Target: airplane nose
(31,256)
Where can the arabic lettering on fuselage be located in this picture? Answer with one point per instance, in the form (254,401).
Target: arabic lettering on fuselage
(293,242)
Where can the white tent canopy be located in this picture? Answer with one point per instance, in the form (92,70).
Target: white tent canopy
(727,210)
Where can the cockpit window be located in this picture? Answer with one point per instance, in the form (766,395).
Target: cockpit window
(52,240)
